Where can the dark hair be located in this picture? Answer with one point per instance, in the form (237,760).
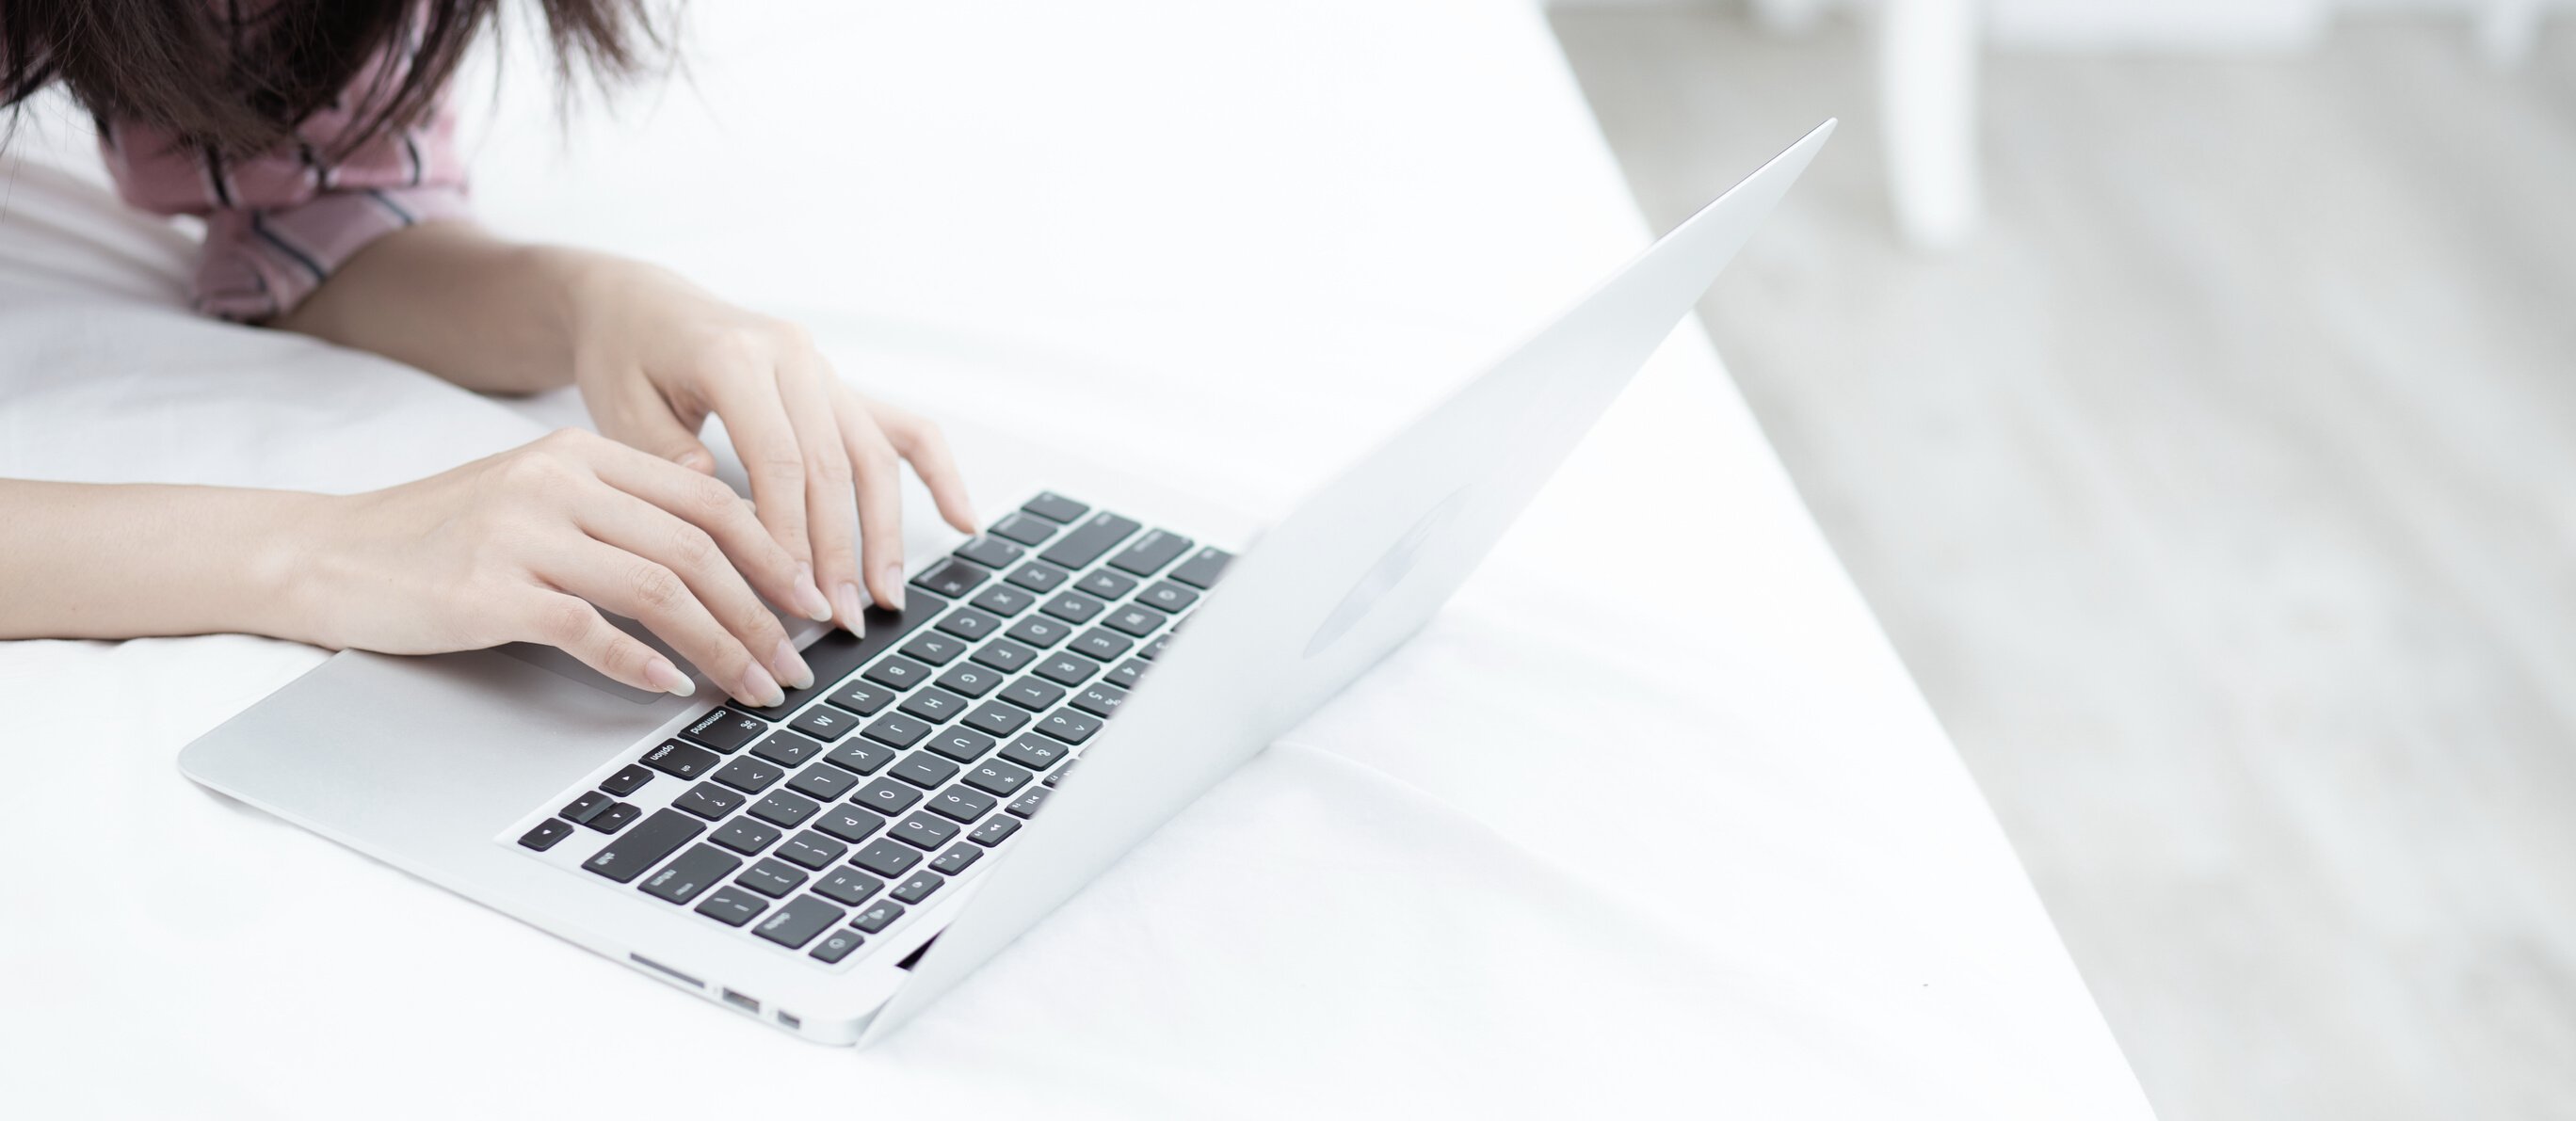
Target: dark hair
(238,76)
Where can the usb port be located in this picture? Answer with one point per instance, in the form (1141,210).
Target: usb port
(740,1001)
(789,1018)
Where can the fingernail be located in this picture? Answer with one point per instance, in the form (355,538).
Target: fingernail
(666,677)
(790,665)
(892,577)
(851,616)
(809,599)
(759,690)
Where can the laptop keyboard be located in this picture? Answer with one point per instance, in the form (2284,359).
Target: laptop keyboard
(815,824)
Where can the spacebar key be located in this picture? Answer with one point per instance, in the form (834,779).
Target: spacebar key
(838,654)
(645,845)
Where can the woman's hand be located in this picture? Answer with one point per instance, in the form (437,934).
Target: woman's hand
(519,546)
(654,356)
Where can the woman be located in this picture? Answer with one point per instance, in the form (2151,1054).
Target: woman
(314,138)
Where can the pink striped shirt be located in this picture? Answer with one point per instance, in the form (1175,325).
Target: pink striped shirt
(279,223)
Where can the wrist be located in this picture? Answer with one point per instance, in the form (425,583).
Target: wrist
(284,569)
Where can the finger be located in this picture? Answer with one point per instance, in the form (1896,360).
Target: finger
(640,417)
(749,403)
(831,503)
(714,507)
(648,531)
(880,485)
(643,590)
(921,443)
(572,625)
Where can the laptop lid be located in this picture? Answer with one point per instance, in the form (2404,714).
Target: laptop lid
(1352,571)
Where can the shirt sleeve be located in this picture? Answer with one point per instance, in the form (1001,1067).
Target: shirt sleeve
(279,223)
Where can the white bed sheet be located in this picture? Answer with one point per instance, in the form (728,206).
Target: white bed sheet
(1579,847)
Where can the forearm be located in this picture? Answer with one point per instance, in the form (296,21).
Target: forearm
(79,560)
(446,297)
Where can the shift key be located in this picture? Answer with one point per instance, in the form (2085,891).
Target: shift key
(645,845)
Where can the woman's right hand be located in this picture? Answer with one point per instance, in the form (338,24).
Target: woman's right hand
(520,546)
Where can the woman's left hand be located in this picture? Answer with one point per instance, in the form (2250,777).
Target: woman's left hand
(655,356)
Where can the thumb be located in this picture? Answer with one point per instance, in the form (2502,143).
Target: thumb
(644,421)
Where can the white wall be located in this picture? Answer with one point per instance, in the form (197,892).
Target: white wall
(2503,27)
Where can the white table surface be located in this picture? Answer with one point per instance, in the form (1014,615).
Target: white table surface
(1579,846)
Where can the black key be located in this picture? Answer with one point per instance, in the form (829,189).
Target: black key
(1037,753)
(1154,649)
(1039,631)
(695,871)
(934,704)
(785,809)
(745,836)
(998,778)
(862,697)
(989,551)
(835,946)
(1100,699)
(732,906)
(877,916)
(1063,669)
(1069,726)
(1202,569)
(749,775)
(772,877)
(1039,578)
(1026,531)
(924,831)
(627,780)
(1033,694)
(993,830)
(1105,584)
(923,769)
(1128,673)
(680,760)
(917,888)
(798,922)
(1134,622)
(786,748)
(617,816)
(935,647)
(960,804)
(1151,552)
(812,849)
(1059,775)
(1028,804)
(580,810)
(546,835)
(861,756)
(1167,596)
(952,578)
(996,718)
(886,858)
(1005,655)
(824,722)
(824,781)
(957,857)
(970,680)
(848,887)
(1100,644)
(961,745)
(898,673)
(1004,600)
(1088,540)
(1055,507)
(886,796)
(645,845)
(849,823)
(708,800)
(725,730)
(897,730)
(970,624)
(1074,607)
(833,656)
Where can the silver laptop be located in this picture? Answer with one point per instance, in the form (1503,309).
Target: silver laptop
(1053,691)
